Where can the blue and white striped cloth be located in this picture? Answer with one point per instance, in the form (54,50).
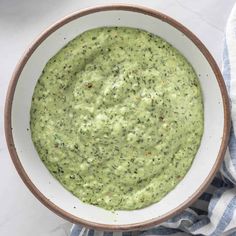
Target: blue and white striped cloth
(214,213)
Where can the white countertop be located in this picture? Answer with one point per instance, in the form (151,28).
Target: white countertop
(20,23)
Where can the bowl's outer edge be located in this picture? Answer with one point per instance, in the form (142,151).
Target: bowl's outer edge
(10,97)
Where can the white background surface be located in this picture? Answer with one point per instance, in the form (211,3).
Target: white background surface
(21,21)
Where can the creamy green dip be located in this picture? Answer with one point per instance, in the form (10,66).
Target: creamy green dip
(117,117)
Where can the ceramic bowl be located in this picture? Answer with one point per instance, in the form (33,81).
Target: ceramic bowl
(36,176)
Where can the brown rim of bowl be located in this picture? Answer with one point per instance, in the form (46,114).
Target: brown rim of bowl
(11,145)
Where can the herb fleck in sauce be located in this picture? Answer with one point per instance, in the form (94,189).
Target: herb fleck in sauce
(117,117)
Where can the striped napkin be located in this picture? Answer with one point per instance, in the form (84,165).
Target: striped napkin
(214,213)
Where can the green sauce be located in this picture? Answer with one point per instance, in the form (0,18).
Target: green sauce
(117,117)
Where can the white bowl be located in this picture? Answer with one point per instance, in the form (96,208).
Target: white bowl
(36,176)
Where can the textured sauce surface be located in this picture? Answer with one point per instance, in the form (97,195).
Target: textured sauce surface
(117,117)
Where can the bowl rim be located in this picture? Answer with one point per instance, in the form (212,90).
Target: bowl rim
(10,96)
